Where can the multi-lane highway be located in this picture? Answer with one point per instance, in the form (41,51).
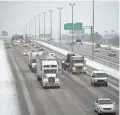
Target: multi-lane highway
(74,97)
(101,56)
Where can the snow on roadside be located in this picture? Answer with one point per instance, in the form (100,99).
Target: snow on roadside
(115,48)
(9,104)
(110,71)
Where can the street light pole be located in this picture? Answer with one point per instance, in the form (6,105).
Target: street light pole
(60,8)
(72,5)
(39,24)
(35,27)
(31,27)
(51,22)
(93,34)
(44,24)
(26,28)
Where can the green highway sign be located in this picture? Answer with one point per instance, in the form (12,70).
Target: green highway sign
(76,26)
(68,26)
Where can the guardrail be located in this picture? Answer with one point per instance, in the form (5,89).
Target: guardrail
(108,62)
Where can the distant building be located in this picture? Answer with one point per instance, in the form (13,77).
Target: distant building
(4,33)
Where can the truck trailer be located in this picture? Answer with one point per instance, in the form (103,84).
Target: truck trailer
(33,61)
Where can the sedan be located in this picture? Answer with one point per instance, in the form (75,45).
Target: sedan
(26,53)
(112,53)
(104,105)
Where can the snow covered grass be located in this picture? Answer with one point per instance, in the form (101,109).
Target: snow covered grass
(9,104)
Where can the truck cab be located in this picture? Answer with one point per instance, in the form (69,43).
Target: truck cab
(66,63)
(48,71)
(77,64)
(74,63)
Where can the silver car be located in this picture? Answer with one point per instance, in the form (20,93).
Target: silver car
(112,53)
(104,105)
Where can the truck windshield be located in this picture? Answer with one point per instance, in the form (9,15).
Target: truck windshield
(99,75)
(33,60)
(50,71)
(78,61)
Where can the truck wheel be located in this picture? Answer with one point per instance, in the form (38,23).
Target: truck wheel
(73,73)
(106,84)
(38,78)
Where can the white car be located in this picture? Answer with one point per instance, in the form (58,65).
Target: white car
(26,53)
(51,53)
(108,48)
(112,53)
(25,45)
(33,50)
(96,49)
(104,105)
(99,78)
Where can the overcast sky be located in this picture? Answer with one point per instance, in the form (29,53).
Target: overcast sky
(14,15)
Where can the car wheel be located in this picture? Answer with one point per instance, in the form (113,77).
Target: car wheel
(93,84)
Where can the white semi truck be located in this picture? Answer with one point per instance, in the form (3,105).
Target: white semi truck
(48,71)
(32,61)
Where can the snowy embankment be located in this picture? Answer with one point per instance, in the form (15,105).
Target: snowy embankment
(9,104)
(115,48)
(110,71)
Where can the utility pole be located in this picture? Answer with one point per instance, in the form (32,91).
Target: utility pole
(44,24)
(35,27)
(93,34)
(72,5)
(51,22)
(39,24)
(60,8)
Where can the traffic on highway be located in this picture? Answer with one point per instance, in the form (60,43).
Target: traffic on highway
(64,67)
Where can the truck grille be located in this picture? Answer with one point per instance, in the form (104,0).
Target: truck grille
(107,108)
(51,79)
(78,67)
(100,80)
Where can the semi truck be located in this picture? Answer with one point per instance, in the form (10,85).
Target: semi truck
(32,61)
(74,63)
(48,71)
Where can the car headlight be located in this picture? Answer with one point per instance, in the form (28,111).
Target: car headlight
(100,108)
(74,68)
(57,80)
(45,80)
(84,68)
(95,80)
(105,79)
(114,107)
